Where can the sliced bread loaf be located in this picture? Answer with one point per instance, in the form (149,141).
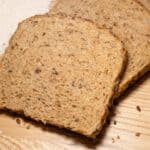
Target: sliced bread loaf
(127,19)
(61,71)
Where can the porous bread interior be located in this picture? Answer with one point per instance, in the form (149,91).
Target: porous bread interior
(61,71)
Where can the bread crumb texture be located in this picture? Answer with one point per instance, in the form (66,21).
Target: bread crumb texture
(61,71)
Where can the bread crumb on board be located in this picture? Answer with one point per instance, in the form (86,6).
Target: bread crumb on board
(115,122)
(113,140)
(28,127)
(18,120)
(138,108)
(118,137)
(137,134)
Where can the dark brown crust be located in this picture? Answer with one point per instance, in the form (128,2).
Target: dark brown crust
(117,80)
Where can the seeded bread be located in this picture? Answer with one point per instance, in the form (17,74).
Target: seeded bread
(127,19)
(61,71)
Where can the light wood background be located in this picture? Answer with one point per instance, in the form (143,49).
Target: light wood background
(129,128)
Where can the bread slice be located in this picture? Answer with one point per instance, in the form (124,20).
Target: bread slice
(127,19)
(61,71)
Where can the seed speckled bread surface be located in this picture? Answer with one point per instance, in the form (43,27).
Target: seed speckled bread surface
(61,71)
(127,19)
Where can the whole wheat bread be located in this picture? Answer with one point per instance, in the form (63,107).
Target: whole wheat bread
(61,71)
(127,19)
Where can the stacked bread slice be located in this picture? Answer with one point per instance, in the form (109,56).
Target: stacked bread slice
(64,68)
(127,19)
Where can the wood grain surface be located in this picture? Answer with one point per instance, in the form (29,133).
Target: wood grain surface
(129,128)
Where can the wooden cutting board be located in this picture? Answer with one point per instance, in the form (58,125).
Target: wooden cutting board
(129,128)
